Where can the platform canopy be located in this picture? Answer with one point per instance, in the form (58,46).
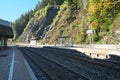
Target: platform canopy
(5,29)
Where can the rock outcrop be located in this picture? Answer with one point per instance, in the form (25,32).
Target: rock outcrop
(39,24)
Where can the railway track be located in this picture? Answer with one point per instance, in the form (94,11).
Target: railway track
(54,70)
(90,70)
(38,71)
(100,71)
(78,56)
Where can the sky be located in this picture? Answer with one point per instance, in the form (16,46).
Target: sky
(11,10)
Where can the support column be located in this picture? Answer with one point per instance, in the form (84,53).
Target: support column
(2,42)
(5,42)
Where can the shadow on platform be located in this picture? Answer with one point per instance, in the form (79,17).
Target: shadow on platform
(2,52)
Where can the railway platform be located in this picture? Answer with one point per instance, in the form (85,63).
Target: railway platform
(13,66)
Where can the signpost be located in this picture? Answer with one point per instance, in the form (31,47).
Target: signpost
(90,33)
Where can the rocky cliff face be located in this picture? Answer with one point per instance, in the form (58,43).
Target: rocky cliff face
(66,23)
(69,22)
(39,24)
(53,22)
(46,23)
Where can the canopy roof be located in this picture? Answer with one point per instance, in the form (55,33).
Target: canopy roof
(6,31)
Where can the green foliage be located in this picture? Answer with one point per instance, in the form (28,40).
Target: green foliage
(40,14)
(80,37)
(102,16)
(116,23)
(19,25)
(75,4)
(68,23)
(44,3)
(62,8)
(70,2)
(95,37)
(102,13)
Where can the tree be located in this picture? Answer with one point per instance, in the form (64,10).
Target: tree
(102,14)
(75,4)
(44,3)
(70,2)
(19,25)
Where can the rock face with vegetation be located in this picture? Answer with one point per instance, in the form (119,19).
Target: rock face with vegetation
(72,21)
(39,24)
(56,18)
